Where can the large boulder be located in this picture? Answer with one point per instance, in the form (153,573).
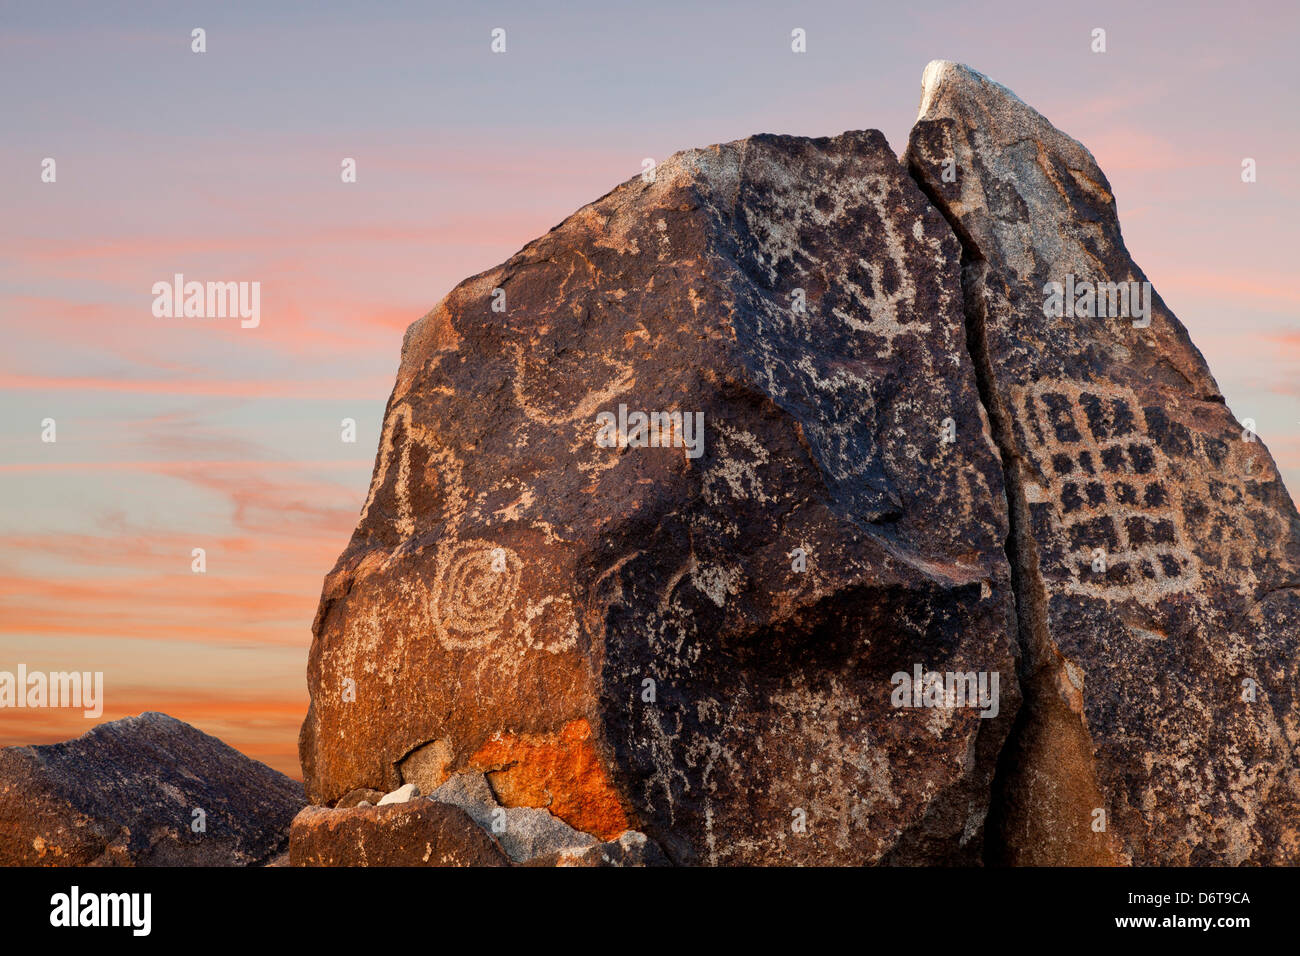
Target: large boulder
(142,791)
(695,637)
(930,427)
(1155,550)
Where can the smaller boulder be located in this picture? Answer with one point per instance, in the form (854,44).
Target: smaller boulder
(360,797)
(402,794)
(461,823)
(416,832)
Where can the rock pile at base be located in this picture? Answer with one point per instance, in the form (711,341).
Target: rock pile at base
(459,824)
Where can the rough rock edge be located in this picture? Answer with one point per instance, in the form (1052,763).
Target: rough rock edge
(114,836)
(1044,718)
(533,836)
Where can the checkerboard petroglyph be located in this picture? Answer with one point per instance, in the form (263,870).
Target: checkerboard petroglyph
(1110,488)
(1101,466)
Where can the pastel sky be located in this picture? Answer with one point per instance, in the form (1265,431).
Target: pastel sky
(174,434)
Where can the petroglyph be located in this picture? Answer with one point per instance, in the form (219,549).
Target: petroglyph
(1108,487)
(437,475)
(475,588)
(1159,524)
(679,295)
(544,404)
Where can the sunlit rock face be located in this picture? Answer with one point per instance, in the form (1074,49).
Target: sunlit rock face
(691,630)
(795,504)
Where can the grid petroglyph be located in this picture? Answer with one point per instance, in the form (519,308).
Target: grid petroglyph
(1107,482)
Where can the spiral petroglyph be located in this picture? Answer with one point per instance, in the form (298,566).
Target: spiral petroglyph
(475,589)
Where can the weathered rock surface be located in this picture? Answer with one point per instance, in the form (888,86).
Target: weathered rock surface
(523,832)
(459,824)
(418,832)
(1161,684)
(903,461)
(127,792)
(695,641)
(630,849)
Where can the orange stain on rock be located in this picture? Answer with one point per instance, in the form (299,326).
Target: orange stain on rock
(560,772)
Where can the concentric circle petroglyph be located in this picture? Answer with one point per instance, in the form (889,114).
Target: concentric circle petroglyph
(475,589)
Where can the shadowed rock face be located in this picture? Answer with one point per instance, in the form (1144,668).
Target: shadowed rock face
(1139,668)
(627,635)
(125,793)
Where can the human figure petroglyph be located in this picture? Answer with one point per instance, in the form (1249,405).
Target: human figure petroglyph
(446,470)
